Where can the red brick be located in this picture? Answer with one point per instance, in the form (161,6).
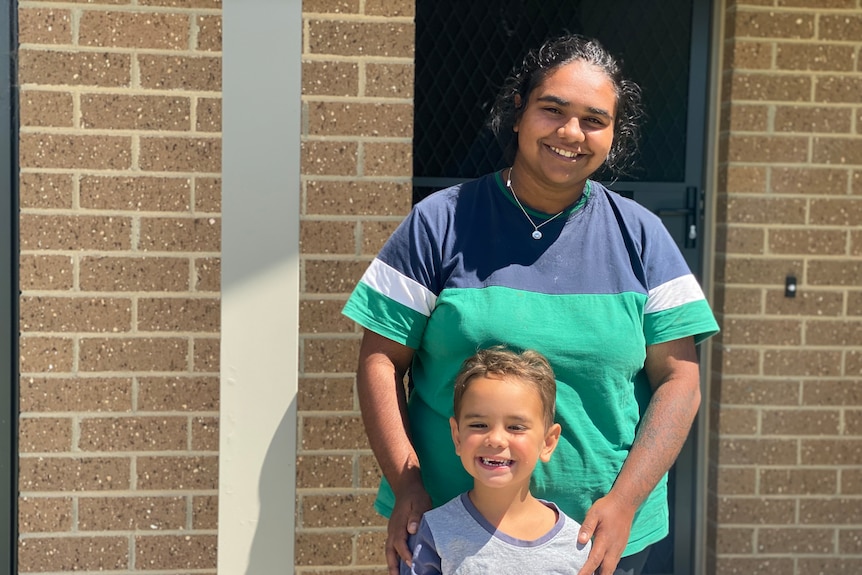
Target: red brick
(161,72)
(178,394)
(53,68)
(133,354)
(175,552)
(44,26)
(131,513)
(152,274)
(48,394)
(180,234)
(76,152)
(45,354)
(63,314)
(133,434)
(55,554)
(45,191)
(44,514)
(74,474)
(153,30)
(210,33)
(43,108)
(177,473)
(167,154)
(139,193)
(122,112)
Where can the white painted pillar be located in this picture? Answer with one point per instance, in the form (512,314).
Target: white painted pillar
(260,285)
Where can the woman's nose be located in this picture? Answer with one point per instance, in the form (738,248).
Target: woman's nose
(571,130)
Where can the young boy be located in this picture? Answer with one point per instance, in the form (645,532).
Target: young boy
(503,424)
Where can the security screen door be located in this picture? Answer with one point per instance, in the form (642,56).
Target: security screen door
(464,50)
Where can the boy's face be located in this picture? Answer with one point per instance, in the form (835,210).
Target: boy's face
(500,433)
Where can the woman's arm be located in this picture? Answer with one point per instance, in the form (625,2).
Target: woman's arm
(674,375)
(382,399)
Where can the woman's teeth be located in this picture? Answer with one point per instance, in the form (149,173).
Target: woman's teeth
(564,153)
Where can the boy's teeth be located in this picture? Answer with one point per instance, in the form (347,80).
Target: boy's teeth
(497,462)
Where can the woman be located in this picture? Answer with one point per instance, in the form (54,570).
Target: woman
(537,256)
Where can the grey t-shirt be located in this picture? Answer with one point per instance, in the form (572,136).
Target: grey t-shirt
(455,539)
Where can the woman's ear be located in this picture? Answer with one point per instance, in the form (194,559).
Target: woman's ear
(456,439)
(518,103)
(552,437)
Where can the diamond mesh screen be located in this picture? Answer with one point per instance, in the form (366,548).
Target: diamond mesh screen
(465,49)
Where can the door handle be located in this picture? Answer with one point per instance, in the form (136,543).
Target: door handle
(691,213)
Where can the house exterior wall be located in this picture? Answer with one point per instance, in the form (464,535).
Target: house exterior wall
(120,246)
(356,169)
(120,155)
(786,387)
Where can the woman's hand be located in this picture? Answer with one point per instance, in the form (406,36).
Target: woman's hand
(608,522)
(675,380)
(382,399)
(410,503)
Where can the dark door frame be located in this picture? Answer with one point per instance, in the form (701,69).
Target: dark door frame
(9,288)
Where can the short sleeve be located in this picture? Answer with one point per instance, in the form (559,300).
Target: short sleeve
(676,306)
(426,560)
(398,291)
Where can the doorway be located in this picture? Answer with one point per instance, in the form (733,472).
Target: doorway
(464,50)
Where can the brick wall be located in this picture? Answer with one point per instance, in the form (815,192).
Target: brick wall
(786,487)
(120,198)
(120,155)
(356,166)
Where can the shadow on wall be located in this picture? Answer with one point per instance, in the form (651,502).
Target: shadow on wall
(277,512)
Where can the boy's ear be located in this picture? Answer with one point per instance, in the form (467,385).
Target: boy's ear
(552,437)
(453,427)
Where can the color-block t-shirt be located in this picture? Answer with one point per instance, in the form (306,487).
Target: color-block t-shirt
(462,273)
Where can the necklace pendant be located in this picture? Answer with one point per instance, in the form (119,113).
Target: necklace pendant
(537,235)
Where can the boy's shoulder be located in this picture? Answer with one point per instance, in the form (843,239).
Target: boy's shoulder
(452,509)
(458,518)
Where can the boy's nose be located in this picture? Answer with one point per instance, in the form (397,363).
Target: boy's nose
(495,438)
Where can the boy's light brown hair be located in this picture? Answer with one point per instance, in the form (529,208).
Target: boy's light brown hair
(528,366)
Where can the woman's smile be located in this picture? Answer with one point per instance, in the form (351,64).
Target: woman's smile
(564,153)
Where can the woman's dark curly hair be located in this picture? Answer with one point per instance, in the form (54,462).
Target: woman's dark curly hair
(538,64)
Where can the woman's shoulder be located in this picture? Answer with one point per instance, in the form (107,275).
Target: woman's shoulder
(628,209)
(449,198)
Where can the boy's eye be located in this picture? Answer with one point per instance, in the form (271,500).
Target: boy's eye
(518,427)
(477,425)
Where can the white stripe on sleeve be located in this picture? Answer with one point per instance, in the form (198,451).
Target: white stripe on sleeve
(674,293)
(395,285)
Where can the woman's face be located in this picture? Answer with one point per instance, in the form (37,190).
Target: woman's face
(566,128)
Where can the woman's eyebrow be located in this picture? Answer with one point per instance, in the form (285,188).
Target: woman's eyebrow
(562,102)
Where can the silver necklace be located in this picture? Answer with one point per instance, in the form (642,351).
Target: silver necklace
(537,235)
